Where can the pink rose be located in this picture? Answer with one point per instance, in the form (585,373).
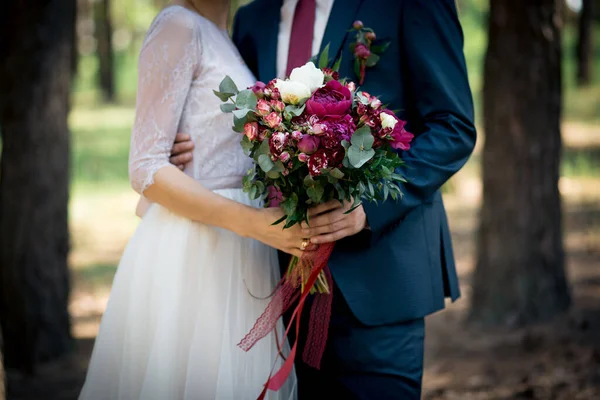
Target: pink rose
(259,89)
(334,99)
(277,105)
(263,133)
(273,120)
(308,144)
(251,130)
(362,51)
(302,157)
(285,156)
(351,86)
(263,108)
(274,196)
(375,103)
(319,128)
(277,142)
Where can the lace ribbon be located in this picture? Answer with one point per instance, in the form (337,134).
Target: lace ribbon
(319,317)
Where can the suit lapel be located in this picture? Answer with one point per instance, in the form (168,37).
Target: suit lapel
(340,22)
(268,22)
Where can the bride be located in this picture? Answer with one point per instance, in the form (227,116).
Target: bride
(199,269)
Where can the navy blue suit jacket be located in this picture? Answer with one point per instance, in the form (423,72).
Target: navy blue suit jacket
(404,268)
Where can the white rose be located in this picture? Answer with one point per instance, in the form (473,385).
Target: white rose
(387,121)
(292,92)
(309,75)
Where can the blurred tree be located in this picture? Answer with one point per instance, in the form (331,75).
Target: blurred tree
(520,273)
(585,46)
(104,50)
(36,43)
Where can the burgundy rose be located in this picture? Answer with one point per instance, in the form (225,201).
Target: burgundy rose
(334,99)
(337,157)
(317,162)
(263,133)
(308,144)
(362,51)
(274,196)
(277,143)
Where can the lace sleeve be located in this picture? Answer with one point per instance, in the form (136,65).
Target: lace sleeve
(167,65)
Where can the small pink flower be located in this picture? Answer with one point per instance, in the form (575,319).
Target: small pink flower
(251,130)
(308,144)
(351,86)
(358,25)
(273,120)
(285,156)
(263,108)
(285,172)
(277,105)
(297,135)
(274,196)
(362,51)
(370,36)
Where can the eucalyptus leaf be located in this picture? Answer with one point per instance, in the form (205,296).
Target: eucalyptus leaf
(238,124)
(246,99)
(265,163)
(336,173)
(363,138)
(228,107)
(223,96)
(295,111)
(227,86)
(273,175)
(315,193)
(253,193)
(241,113)
(247,145)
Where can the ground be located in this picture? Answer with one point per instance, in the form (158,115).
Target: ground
(556,360)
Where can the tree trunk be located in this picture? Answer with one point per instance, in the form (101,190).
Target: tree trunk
(36,43)
(585,46)
(2,379)
(520,273)
(104,50)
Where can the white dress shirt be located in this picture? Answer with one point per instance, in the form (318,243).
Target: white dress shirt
(285,30)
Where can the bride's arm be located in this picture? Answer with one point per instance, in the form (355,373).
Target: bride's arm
(168,64)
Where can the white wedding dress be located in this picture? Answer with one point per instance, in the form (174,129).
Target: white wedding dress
(186,293)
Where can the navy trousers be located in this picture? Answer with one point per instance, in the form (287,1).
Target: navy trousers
(363,362)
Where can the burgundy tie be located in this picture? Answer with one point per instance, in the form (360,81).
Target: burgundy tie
(301,38)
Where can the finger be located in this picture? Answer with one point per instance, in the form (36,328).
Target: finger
(331,237)
(183,147)
(325,219)
(295,252)
(321,208)
(328,228)
(182,137)
(181,167)
(181,159)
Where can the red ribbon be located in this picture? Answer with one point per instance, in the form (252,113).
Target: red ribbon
(319,319)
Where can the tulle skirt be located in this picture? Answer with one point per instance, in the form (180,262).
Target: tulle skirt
(184,295)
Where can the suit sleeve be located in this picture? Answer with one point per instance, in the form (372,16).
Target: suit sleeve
(440,104)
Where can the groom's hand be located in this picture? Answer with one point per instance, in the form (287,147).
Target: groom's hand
(330,223)
(181,153)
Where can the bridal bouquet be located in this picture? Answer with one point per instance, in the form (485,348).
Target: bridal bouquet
(313,138)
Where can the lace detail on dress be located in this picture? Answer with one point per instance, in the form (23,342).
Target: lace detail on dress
(167,65)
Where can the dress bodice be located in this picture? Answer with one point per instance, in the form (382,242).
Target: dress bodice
(183,59)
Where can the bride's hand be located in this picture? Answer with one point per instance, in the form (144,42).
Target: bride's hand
(287,240)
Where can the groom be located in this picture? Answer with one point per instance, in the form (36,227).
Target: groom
(393,262)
